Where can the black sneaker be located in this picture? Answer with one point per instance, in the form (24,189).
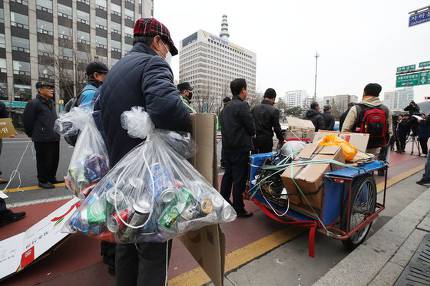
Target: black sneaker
(47,185)
(8,216)
(423,182)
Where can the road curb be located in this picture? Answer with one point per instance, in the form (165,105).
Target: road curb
(364,264)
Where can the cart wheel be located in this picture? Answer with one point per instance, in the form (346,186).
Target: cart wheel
(363,203)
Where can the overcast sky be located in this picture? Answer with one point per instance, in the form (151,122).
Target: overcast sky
(358,41)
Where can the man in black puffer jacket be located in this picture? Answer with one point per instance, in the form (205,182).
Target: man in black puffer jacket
(316,117)
(141,78)
(39,119)
(266,118)
(237,129)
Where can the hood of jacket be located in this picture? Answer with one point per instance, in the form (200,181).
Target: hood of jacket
(371,101)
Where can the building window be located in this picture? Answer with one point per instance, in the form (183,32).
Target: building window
(116,9)
(1,15)
(44,5)
(65,11)
(83,37)
(101,23)
(128,31)
(44,27)
(129,14)
(20,44)
(83,17)
(21,68)
(46,72)
(115,27)
(22,92)
(19,20)
(85,1)
(101,42)
(116,46)
(64,32)
(2,41)
(101,4)
(65,53)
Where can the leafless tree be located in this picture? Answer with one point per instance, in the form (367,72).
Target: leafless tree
(204,100)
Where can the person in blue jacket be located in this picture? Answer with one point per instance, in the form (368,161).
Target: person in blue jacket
(96,73)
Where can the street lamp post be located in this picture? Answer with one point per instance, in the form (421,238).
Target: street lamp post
(316,73)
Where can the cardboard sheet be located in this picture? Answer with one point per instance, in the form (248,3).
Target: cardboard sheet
(6,128)
(207,245)
(21,250)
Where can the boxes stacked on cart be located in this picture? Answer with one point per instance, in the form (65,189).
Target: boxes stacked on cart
(305,182)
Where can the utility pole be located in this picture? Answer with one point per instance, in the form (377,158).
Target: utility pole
(316,73)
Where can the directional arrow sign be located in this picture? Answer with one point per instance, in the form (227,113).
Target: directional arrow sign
(419,78)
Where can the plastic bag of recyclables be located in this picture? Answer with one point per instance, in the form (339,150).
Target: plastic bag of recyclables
(152,194)
(89,162)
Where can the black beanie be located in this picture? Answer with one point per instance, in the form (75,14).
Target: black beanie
(372,89)
(270,93)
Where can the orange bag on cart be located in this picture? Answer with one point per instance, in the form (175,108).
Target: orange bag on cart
(348,150)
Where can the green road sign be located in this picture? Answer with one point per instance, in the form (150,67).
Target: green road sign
(406,68)
(424,64)
(15,104)
(419,78)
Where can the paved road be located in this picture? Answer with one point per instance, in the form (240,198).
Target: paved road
(289,264)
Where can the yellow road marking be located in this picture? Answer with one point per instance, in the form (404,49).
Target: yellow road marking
(31,188)
(241,256)
(235,259)
(400,177)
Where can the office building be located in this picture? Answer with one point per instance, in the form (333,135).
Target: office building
(295,98)
(55,39)
(210,63)
(398,99)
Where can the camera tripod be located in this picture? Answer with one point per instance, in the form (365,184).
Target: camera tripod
(415,142)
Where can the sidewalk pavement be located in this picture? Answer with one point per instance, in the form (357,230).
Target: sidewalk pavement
(381,259)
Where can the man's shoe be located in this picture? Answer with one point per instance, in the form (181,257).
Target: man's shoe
(244,214)
(55,181)
(3,181)
(47,185)
(8,216)
(423,182)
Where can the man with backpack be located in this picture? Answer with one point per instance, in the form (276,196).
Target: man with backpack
(96,74)
(372,117)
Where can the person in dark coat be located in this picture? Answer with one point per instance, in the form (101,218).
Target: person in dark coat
(343,115)
(237,129)
(39,119)
(403,131)
(315,116)
(226,100)
(266,118)
(328,118)
(141,78)
(186,92)
(6,216)
(424,133)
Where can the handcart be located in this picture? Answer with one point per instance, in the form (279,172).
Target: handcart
(349,204)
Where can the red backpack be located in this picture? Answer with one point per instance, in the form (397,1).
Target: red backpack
(373,120)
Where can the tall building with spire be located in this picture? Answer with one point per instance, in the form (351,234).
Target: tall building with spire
(210,63)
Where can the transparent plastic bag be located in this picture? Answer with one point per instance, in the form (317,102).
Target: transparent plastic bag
(152,194)
(89,162)
(292,148)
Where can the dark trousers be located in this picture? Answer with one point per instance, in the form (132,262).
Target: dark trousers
(142,264)
(401,137)
(236,173)
(47,157)
(263,145)
(2,205)
(423,143)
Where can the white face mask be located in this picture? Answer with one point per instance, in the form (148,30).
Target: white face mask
(168,58)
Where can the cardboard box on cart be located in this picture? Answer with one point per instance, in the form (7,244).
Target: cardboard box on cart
(206,245)
(310,177)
